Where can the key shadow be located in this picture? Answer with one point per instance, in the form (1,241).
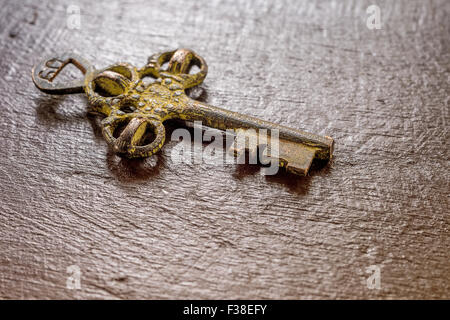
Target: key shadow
(131,170)
(301,184)
(294,183)
(50,114)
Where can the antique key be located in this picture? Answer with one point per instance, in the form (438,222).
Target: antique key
(127,101)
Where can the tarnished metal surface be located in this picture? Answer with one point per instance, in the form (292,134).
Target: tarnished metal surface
(127,101)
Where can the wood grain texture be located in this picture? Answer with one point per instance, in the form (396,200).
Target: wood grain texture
(156,229)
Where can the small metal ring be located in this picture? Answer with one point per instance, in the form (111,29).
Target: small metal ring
(126,71)
(123,144)
(177,61)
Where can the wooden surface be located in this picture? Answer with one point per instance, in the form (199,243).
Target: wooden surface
(156,229)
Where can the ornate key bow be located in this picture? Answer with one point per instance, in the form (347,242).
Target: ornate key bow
(121,93)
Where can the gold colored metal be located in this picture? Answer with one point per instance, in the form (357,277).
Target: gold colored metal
(122,94)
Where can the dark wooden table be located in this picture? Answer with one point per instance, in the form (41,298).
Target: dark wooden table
(157,229)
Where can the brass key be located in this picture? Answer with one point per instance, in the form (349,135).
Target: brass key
(129,102)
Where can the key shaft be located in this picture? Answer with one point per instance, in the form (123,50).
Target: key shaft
(223,119)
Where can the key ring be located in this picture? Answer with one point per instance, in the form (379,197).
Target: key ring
(48,69)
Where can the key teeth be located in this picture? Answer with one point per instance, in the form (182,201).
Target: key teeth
(295,157)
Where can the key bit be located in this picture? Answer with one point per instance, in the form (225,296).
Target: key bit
(294,156)
(135,110)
